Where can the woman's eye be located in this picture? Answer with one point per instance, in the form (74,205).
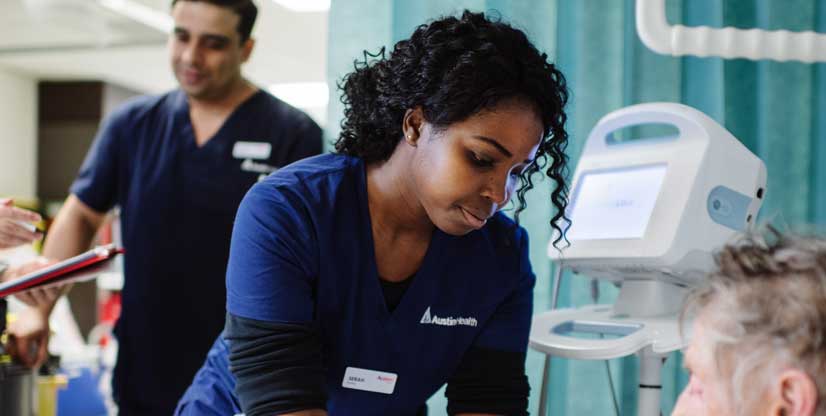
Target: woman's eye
(480,161)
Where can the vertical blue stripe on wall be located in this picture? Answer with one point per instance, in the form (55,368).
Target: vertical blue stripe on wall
(784,117)
(817,207)
(346,41)
(649,76)
(739,93)
(702,78)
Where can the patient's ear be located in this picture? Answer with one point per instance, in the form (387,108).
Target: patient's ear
(797,393)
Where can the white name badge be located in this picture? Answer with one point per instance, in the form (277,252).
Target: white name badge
(369,380)
(251,150)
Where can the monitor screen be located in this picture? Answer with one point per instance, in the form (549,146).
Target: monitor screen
(615,203)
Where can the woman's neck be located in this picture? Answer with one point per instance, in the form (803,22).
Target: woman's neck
(401,228)
(394,206)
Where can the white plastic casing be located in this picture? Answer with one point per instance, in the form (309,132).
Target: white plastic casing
(680,236)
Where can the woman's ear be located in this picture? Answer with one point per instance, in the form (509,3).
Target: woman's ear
(412,125)
(797,393)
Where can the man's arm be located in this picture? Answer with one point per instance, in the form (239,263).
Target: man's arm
(70,234)
(73,230)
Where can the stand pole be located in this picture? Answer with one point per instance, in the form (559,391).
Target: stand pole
(651,364)
(546,372)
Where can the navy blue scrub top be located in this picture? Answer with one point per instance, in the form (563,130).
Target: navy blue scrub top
(177,204)
(302,251)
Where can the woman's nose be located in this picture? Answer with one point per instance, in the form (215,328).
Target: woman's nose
(499,190)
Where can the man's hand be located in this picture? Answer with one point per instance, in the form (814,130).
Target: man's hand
(41,297)
(12,233)
(29,337)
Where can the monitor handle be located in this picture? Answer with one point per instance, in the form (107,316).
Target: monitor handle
(685,119)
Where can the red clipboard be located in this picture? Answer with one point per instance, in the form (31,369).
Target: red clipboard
(85,266)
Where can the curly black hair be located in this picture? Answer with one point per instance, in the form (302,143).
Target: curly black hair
(453,68)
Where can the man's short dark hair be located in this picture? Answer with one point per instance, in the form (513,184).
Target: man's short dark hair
(245,9)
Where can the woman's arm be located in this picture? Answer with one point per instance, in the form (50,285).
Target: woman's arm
(278,367)
(274,344)
(489,381)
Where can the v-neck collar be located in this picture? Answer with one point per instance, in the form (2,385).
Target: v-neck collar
(183,120)
(424,277)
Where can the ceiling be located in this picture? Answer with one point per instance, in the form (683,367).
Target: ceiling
(82,39)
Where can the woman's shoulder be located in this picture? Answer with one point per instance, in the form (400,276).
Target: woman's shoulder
(315,168)
(312,182)
(309,172)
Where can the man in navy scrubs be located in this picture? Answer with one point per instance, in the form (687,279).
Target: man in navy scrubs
(178,165)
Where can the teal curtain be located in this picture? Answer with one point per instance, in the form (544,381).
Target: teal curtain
(776,109)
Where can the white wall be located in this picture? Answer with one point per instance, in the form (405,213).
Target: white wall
(18,134)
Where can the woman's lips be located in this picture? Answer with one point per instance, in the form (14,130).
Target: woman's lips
(473,220)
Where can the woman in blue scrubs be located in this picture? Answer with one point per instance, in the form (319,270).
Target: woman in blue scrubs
(361,282)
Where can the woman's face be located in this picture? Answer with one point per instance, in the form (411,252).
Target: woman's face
(706,392)
(709,391)
(466,172)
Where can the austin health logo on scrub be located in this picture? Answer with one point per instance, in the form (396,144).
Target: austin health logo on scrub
(449,321)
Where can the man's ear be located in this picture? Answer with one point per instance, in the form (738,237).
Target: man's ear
(412,125)
(246,49)
(797,393)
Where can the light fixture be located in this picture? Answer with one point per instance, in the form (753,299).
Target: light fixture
(305,6)
(140,13)
(302,94)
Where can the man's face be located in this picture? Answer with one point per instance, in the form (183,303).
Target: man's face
(206,50)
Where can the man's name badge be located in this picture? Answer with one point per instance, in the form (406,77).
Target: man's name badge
(369,380)
(252,150)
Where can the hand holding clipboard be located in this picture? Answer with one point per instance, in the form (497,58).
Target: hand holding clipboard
(85,266)
(33,297)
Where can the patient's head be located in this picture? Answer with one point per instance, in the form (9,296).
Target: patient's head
(759,333)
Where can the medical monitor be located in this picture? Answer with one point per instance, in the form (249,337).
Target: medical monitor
(615,203)
(657,207)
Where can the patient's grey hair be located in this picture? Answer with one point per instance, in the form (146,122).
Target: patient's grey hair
(764,310)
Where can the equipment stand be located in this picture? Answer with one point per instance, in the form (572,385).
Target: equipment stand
(650,388)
